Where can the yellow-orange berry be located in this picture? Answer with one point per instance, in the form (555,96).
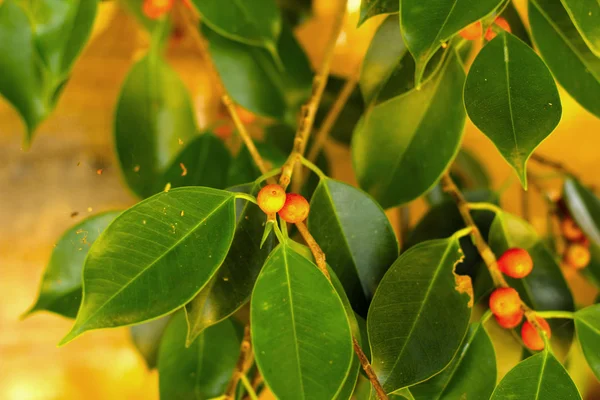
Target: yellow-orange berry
(247,117)
(271,198)
(505,302)
(155,9)
(530,335)
(223,131)
(515,262)
(571,230)
(295,208)
(510,321)
(472,32)
(577,255)
(502,23)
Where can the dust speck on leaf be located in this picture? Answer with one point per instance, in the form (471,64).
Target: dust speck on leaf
(183,169)
(182,213)
(167,187)
(99,171)
(136,168)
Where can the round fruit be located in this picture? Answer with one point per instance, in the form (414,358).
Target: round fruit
(155,9)
(502,23)
(577,255)
(515,262)
(505,302)
(295,208)
(570,230)
(511,321)
(472,32)
(271,198)
(530,335)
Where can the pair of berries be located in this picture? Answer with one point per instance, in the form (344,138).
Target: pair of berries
(475,30)
(577,255)
(292,207)
(155,9)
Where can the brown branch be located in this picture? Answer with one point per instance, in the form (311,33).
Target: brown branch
(366,365)
(315,249)
(243,364)
(552,164)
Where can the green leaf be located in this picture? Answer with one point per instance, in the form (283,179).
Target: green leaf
(231,286)
(470,375)
(300,330)
(155,257)
(517,27)
(539,377)
(39,43)
(425,28)
(201,371)
(243,169)
(587,323)
(573,65)
(356,235)
(585,14)
(60,289)
(371,8)
(281,91)
(511,97)
(147,337)
(401,147)
(419,314)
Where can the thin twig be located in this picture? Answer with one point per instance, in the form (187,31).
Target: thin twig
(525,205)
(366,365)
(314,248)
(243,364)
(552,164)
(248,387)
(403,223)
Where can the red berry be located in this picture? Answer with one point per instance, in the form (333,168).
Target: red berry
(511,321)
(295,209)
(223,131)
(530,335)
(515,262)
(570,230)
(271,198)
(505,302)
(577,256)
(502,23)
(472,32)
(155,9)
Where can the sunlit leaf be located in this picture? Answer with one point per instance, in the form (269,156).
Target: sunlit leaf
(585,14)
(371,8)
(587,323)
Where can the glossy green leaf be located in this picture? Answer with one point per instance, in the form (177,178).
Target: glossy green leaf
(401,147)
(60,290)
(573,65)
(419,315)
(356,236)
(231,286)
(281,91)
(585,15)
(201,371)
(587,323)
(511,97)
(539,377)
(155,257)
(300,330)
(371,8)
(39,44)
(243,169)
(517,27)
(426,27)
(147,337)
(470,375)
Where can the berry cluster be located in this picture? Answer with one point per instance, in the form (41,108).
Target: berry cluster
(155,9)
(292,207)
(475,30)
(577,253)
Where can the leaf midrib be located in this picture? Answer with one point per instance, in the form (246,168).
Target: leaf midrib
(506,55)
(541,378)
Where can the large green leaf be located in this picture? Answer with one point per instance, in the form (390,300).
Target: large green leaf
(419,315)
(201,371)
(60,290)
(300,331)
(539,377)
(587,323)
(573,65)
(371,8)
(585,14)
(357,237)
(281,90)
(39,42)
(231,286)
(401,147)
(426,27)
(511,97)
(155,257)
(147,337)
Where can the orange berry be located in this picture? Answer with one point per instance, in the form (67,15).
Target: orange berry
(530,335)
(502,23)
(505,302)
(247,117)
(271,198)
(577,256)
(223,131)
(510,321)
(187,3)
(155,9)
(571,230)
(515,262)
(472,32)
(295,208)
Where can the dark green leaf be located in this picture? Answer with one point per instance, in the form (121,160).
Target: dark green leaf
(295,12)
(539,377)
(587,323)
(419,314)
(585,14)
(357,237)
(401,147)
(146,339)
(155,257)
(371,8)
(573,65)
(425,28)
(300,330)
(201,371)
(511,97)
(515,22)
(243,169)
(60,290)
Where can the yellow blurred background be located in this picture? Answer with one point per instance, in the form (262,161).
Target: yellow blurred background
(42,187)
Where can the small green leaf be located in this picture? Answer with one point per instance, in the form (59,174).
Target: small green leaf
(585,15)
(511,97)
(425,28)
(60,290)
(371,8)
(201,371)
(155,257)
(539,377)
(300,331)
(356,235)
(419,314)
(587,323)
(401,147)
(147,337)
(572,63)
